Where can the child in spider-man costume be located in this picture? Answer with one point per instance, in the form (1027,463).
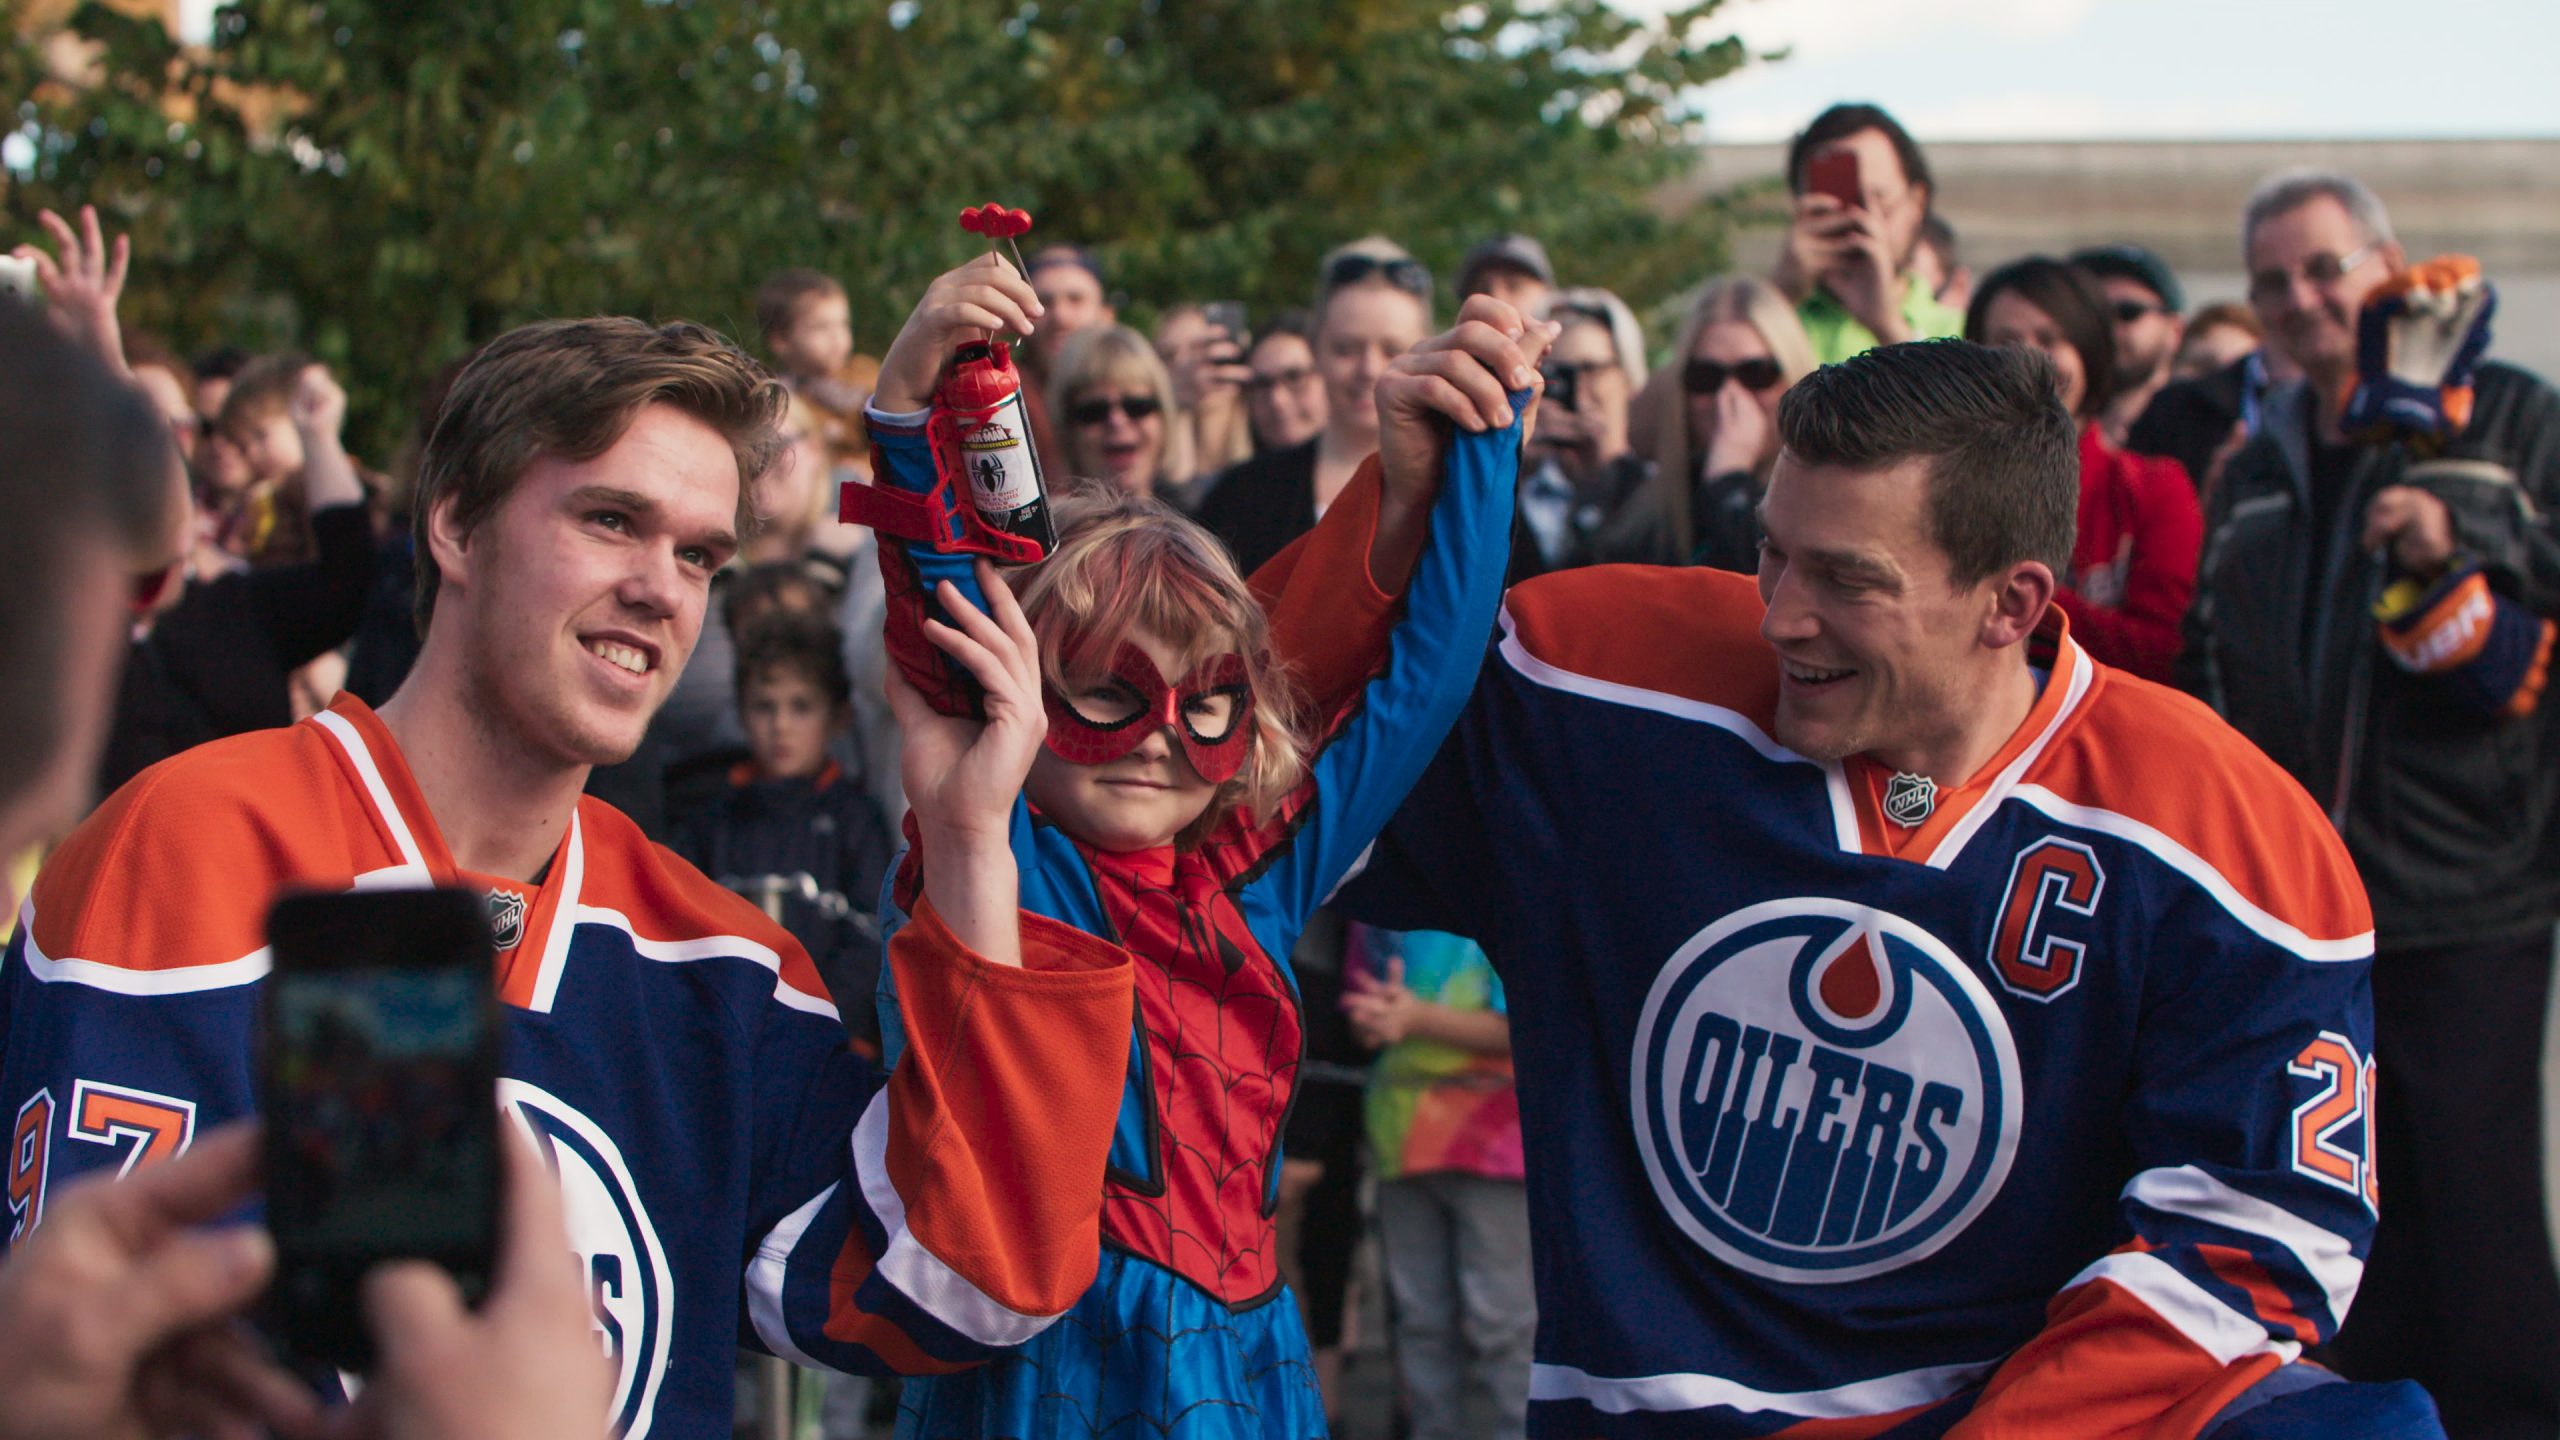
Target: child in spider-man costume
(1194,801)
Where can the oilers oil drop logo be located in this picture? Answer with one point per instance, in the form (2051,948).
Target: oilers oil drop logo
(630,1287)
(1822,1092)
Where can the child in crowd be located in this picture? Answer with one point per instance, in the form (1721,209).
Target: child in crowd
(792,831)
(1190,803)
(267,520)
(808,330)
(1453,1213)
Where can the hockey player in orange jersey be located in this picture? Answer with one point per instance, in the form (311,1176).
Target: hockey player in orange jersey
(732,1171)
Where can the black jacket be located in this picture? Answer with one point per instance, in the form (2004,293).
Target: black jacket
(1260,504)
(221,661)
(814,850)
(2450,814)
(2190,419)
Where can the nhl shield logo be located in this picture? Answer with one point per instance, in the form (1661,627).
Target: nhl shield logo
(1910,799)
(506,918)
(1822,1092)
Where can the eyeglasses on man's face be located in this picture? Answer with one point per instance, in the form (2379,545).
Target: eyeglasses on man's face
(2322,270)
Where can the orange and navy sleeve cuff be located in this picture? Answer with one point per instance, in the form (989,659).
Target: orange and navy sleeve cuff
(2492,653)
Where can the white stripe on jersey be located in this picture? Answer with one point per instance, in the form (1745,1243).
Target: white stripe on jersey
(766,1274)
(2188,863)
(185,980)
(342,730)
(1844,814)
(1617,1395)
(944,1293)
(2217,1329)
(709,947)
(2323,1254)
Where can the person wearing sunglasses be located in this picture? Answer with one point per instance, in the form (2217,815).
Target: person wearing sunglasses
(1373,303)
(2375,611)
(1114,405)
(2147,306)
(1709,426)
(2133,565)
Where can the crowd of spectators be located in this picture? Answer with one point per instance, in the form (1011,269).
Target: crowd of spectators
(2234,539)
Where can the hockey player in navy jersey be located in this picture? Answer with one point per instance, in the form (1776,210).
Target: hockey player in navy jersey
(1921,1029)
(732,1171)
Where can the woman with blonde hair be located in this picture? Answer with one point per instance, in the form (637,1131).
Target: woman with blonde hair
(1709,422)
(1113,402)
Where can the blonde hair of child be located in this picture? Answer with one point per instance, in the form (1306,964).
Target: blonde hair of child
(1126,563)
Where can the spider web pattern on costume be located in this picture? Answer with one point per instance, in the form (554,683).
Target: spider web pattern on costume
(1223,1040)
(1144,1356)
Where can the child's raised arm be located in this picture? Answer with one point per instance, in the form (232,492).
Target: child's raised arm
(963,776)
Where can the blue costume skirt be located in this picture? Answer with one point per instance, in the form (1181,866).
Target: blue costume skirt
(1145,1355)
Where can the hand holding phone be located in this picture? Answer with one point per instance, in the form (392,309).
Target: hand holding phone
(379,1073)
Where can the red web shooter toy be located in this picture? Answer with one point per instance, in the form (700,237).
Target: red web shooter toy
(980,435)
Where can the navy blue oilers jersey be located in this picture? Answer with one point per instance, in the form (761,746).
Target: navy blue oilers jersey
(2043,1112)
(731,1172)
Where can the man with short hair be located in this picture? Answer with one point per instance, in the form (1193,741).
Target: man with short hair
(2148,308)
(1513,269)
(1910,1013)
(1068,280)
(1848,265)
(119,1317)
(2377,614)
(734,1170)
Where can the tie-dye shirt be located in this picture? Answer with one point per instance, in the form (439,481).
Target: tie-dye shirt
(1434,1106)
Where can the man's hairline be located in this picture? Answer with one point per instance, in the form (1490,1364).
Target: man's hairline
(735,536)
(2366,238)
(1929,473)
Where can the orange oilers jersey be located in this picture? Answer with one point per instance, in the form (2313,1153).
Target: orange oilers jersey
(731,1168)
(2046,1110)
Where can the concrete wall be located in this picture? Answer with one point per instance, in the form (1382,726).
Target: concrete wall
(2496,199)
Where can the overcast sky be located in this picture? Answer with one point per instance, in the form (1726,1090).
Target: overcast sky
(2187,69)
(2098,69)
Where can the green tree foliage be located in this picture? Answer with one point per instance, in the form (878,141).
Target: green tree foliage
(385,182)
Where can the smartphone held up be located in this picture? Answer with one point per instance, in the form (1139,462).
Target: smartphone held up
(379,1072)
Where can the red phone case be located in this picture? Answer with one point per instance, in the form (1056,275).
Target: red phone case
(1835,173)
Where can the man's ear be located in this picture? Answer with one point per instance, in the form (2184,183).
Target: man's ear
(2019,597)
(448,543)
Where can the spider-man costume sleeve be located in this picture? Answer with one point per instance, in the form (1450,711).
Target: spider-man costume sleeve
(1187,1328)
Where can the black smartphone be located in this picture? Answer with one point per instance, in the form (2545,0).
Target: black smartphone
(1229,315)
(379,1072)
(1563,383)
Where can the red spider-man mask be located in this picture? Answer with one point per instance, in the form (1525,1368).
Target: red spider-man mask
(1211,713)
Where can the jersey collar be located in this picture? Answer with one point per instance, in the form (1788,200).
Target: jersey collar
(1964,808)
(529,974)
